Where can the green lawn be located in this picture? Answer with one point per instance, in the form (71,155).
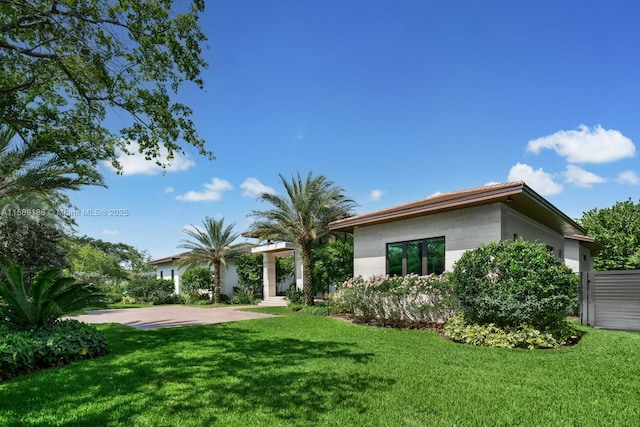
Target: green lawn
(301,369)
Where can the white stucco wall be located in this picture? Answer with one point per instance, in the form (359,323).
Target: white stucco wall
(515,223)
(228,275)
(462,229)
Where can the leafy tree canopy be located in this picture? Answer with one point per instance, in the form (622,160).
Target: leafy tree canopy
(127,256)
(31,241)
(618,229)
(333,264)
(66,65)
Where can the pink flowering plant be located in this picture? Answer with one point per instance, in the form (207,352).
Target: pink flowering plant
(387,300)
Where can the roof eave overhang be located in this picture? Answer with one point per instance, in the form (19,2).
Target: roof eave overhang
(517,196)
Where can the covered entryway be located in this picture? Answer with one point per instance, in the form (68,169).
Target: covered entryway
(269,253)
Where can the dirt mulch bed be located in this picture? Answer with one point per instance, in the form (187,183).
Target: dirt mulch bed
(422,326)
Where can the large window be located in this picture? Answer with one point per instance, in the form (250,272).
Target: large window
(425,256)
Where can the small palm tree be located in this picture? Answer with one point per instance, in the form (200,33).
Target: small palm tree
(302,216)
(49,297)
(28,168)
(212,245)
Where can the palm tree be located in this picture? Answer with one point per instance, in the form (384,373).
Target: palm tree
(49,297)
(211,245)
(28,168)
(302,216)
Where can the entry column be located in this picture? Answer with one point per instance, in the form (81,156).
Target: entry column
(268,275)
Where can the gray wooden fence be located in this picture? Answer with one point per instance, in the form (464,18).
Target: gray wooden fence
(611,299)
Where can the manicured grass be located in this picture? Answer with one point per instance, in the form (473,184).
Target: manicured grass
(300,369)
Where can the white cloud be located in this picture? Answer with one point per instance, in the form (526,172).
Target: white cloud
(169,189)
(490,183)
(585,145)
(254,188)
(136,164)
(191,227)
(109,232)
(581,178)
(628,177)
(212,192)
(375,195)
(539,180)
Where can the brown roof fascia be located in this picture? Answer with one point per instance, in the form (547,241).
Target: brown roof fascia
(165,259)
(434,204)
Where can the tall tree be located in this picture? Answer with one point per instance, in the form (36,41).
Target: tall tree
(618,229)
(65,66)
(212,245)
(33,241)
(302,216)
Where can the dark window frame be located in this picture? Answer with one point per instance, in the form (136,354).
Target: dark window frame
(424,254)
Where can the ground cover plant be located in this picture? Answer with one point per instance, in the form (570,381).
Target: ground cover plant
(300,369)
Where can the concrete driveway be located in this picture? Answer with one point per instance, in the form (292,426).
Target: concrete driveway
(168,316)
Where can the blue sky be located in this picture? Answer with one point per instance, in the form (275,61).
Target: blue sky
(394,101)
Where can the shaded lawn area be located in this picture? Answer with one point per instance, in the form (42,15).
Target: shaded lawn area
(301,369)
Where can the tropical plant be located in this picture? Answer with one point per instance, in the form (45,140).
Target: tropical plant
(302,216)
(49,297)
(29,168)
(212,245)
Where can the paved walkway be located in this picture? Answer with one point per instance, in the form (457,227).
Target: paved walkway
(168,316)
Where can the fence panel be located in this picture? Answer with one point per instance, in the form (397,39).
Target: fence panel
(612,299)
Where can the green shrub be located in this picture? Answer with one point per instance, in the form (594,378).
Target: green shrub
(513,283)
(66,341)
(295,306)
(396,300)
(522,336)
(195,279)
(113,293)
(16,354)
(154,291)
(243,296)
(294,295)
(55,344)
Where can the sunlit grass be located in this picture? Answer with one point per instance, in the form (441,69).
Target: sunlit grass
(300,369)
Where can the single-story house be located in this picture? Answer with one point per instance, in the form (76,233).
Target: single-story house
(169,268)
(430,235)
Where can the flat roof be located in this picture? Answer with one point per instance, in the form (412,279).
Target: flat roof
(516,195)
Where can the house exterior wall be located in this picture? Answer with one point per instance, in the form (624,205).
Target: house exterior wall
(163,271)
(514,224)
(462,229)
(228,275)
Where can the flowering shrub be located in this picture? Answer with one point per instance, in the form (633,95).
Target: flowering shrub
(396,300)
